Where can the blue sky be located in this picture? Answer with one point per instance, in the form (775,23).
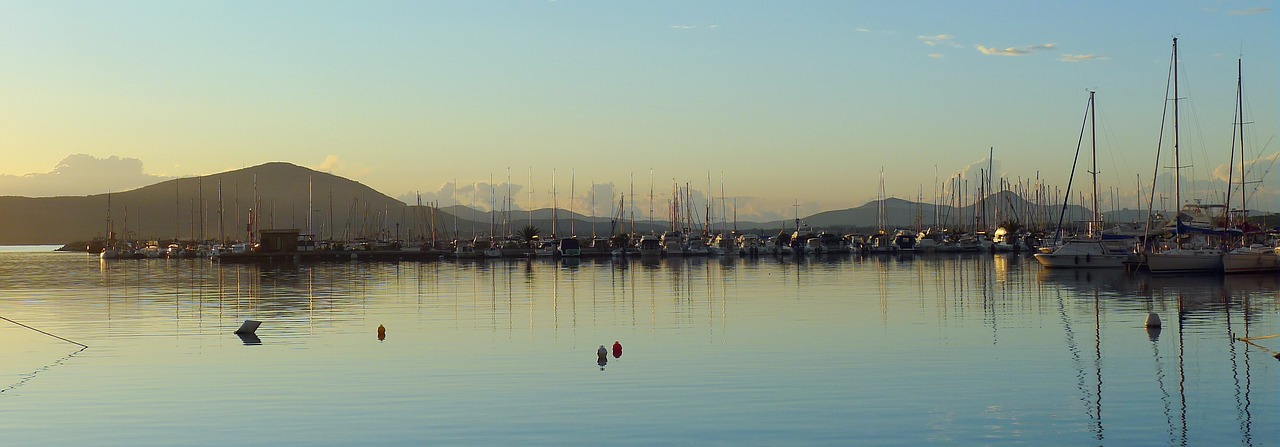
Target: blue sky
(781,102)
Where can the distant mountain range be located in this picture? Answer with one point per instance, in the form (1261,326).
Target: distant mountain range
(221,205)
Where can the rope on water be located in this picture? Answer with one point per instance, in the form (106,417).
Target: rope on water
(1264,337)
(1249,341)
(45,333)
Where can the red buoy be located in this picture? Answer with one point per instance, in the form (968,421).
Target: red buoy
(617,349)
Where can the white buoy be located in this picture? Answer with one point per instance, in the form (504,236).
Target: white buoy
(1153,320)
(249,327)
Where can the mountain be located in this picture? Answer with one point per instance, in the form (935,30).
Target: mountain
(187,208)
(998,208)
(219,205)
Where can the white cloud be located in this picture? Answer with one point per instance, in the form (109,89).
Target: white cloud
(1016,51)
(1252,167)
(1249,12)
(934,40)
(81,174)
(333,165)
(1080,57)
(479,195)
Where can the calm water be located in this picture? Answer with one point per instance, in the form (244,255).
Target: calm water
(947,349)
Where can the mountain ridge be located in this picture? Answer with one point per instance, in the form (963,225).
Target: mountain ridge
(221,205)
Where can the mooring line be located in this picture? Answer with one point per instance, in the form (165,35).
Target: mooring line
(27,377)
(45,333)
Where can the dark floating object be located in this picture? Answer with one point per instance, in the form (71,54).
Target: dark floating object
(617,349)
(382,333)
(602,357)
(249,327)
(1153,320)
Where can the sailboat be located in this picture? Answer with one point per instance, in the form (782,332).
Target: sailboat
(1253,258)
(1194,256)
(1089,251)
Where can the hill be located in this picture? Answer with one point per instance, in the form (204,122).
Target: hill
(219,206)
(202,207)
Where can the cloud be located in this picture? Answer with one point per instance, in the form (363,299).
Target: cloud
(1080,57)
(330,163)
(684,27)
(1264,164)
(972,175)
(479,195)
(1249,12)
(862,30)
(936,55)
(333,165)
(1016,51)
(934,40)
(81,174)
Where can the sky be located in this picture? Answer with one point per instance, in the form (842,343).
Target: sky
(779,108)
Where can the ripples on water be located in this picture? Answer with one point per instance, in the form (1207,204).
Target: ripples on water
(961,349)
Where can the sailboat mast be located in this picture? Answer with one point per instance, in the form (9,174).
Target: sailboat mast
(1093,171)
(530,196)
(573,181)
(1177,163)
(1244,208)
(555,205)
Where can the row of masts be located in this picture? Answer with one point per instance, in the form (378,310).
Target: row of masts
(990,206)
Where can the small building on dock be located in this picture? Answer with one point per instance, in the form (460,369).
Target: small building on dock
(288,240)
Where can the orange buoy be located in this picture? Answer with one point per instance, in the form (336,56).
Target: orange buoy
(382,333)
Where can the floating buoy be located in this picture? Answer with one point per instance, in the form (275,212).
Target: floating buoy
(382,333)
(1153,320)
(617,349)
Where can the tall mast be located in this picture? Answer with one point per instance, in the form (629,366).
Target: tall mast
(573,181)
(222,231)
(493,206)
(1177,164)
(724,212)
(555,204)
(310,205)
(1093,144)
(650,197)
(592,212)
(531,196)
(1239,130)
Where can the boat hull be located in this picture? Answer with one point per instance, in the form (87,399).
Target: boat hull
(1084,261)
(1185,261)
(1251,262)
(1082,254)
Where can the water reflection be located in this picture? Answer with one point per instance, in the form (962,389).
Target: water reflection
(602,357)
(249,339)
(1065,355)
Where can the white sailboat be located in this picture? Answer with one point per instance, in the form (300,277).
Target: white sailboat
(1194,255)
(1251,258)
(1089,251)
